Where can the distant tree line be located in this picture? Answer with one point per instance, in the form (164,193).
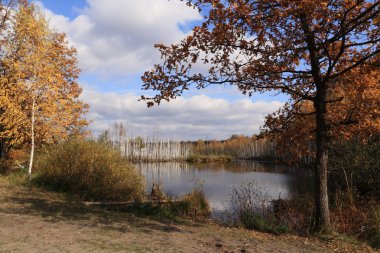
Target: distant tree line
(154,148)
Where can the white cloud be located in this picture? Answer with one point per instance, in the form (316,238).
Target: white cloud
(117,37)
(188,118)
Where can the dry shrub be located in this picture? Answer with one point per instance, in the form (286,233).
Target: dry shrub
(90,170)
(296,214)
(15,160)
(360,219)
(194,204)
(252,209)
(373,235)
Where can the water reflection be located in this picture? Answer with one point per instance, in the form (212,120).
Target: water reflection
(217,179)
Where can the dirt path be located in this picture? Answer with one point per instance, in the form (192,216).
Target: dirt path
(35,221)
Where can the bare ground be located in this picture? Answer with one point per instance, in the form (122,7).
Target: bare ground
(32,220)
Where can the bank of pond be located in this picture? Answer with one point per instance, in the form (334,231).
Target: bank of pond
(266,196)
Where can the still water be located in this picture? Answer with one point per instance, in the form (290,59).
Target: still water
(217,180)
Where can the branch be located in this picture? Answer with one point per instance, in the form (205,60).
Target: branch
(5,17)
(335,100)
(355,21)
(312,48)
(362,60)
(304,114)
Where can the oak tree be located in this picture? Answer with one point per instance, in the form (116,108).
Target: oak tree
(295,47)
(355,112)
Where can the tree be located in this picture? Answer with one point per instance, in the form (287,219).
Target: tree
(5,9)
(39,91)
(356,110)
(295,47)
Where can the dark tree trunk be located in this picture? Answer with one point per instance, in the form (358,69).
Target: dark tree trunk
(322,212)
(2,153)
(321,164)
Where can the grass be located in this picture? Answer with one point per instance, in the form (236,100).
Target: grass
(260,223)
(193,205)
(90,170)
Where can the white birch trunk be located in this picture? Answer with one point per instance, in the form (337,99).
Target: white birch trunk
(32,148)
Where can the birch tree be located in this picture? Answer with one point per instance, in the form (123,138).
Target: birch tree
(39,89)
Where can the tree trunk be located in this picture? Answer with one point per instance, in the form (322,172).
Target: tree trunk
(2,142)
(2,150)
(32,148)
(321,165)
(322,213)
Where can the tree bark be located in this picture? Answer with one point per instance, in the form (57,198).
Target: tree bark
(322,214)
(32,148)
(2,150)
(321,164)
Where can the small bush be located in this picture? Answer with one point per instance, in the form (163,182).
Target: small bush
(355,165)
(296,213)
(261,223)
(373,234)
(4,168)
(90,170)
(193,204)
(15,160)
(254,209)
(374,240)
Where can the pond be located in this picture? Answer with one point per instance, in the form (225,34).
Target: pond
(217,180)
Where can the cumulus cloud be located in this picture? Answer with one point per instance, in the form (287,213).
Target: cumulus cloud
(117,37)
(197,117)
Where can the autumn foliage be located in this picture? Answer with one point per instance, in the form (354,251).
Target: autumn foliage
(37,67)
(313,51)
(90,170)
(354,113)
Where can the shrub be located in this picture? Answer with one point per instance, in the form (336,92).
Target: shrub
(254,209)
(356,165)
(193,204)
(90,170)
(15,160)
(261,223)
(296,213)
(372,233)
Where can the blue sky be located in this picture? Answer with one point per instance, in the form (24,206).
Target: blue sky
(68,8)
(115,42)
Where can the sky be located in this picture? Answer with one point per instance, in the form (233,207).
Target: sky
(115,42)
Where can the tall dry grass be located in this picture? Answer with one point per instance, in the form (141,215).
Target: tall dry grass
(89,170)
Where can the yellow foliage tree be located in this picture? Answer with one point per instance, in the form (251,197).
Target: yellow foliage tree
(39,90)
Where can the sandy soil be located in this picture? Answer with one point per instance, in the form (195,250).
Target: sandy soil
(32,220)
